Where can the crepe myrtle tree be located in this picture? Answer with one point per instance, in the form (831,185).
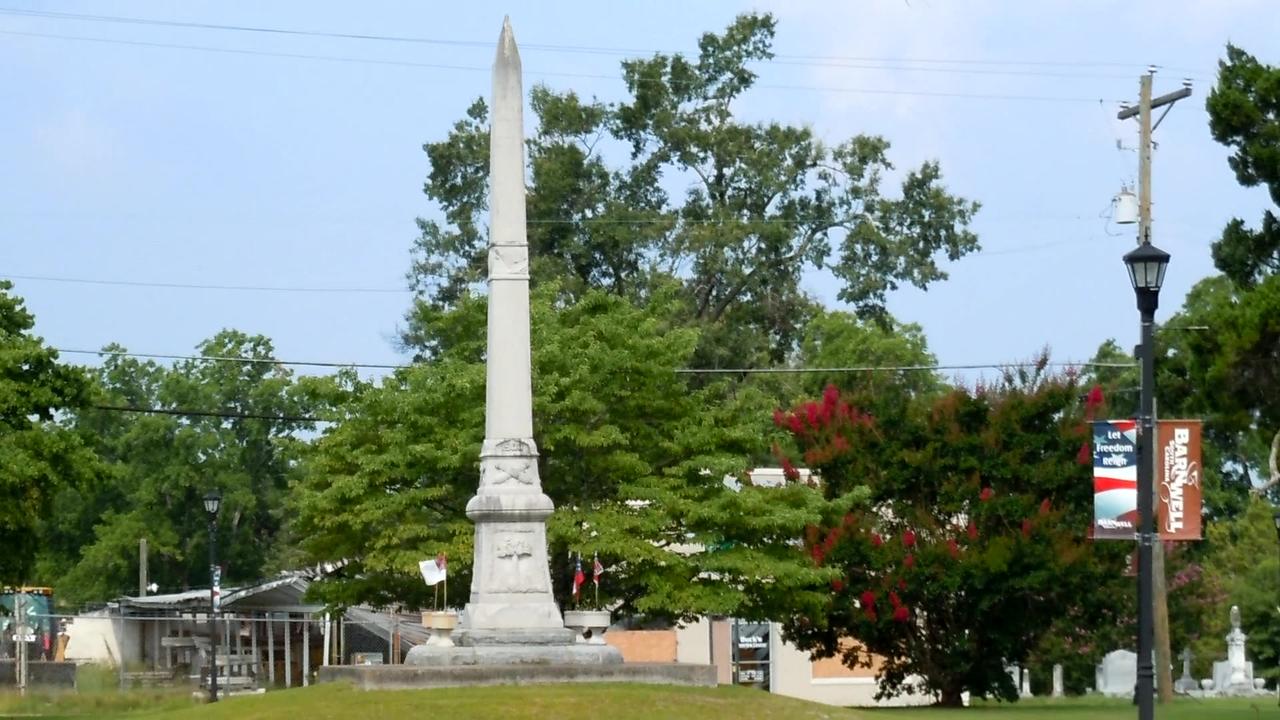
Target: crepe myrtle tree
(974,542)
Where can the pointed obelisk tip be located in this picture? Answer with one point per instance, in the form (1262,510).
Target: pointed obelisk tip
(507,43)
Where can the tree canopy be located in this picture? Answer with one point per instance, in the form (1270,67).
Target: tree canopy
(633,455)
(220,425)
(973,545)
(38,458)
(670,184)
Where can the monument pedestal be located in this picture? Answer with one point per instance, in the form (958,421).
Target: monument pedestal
(514,655)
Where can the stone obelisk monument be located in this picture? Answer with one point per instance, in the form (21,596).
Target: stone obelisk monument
(511,585)
(512,616)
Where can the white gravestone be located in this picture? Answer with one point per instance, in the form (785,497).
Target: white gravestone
(1057,681)
(1186,683)
(1117,674)
(1234,676)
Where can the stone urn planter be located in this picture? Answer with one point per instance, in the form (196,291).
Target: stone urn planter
(590,625)
(441,623)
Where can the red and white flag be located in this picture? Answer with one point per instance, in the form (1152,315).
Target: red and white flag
(596,570)
(578,578)
(434,571)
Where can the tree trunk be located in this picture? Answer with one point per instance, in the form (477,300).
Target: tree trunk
(950,697)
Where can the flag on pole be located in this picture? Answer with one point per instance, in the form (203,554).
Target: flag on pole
(596,570)
(578,578)
(434,571)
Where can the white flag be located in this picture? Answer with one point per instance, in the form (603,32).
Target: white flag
(433,571)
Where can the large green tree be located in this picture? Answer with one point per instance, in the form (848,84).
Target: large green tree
(1242,565)
(634,456)
(168,435)
(1237,359)
(973,545)
(669,183)
(38,458)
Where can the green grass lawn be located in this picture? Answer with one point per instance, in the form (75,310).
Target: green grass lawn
(572,702)
(1092,709)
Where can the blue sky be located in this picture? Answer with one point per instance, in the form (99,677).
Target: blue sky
(148,164)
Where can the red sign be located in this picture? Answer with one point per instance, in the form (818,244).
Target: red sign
(1178,479)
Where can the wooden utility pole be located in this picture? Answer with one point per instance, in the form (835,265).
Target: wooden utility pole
(1160,597)
(142,567)
(20,634)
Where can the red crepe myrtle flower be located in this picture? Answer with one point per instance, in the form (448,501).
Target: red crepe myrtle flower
(1094,398)
(909,561)
(908,538)
(870,612)
(830,395)
(900,614)
(868,599)
(1085,455)
(1026,528)
(986,494)
(953,547)
(1045,505)
(795,424)
(876,540)
(837,585)
(973,531)
(811,413)
(893,598)
(902,584)
(789,471)
(779,417)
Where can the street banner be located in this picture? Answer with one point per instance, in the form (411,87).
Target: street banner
(1178,486)
(1115,479)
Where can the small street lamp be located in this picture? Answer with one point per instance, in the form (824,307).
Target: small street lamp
(212,501)
(1146,264)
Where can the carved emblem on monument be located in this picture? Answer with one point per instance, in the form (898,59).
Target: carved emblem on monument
(509,461)
(516,572)
(509,261)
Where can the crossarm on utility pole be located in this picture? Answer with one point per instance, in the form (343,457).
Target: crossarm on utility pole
(1166,99)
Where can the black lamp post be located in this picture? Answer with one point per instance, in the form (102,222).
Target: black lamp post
(1146,265)
(212,501)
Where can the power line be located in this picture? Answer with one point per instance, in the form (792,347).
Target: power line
(206,413)
(790,59)
(201,286)
(896,368)
(225,358)
(979,254)
(678,371)
(264,53)
(595,76)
